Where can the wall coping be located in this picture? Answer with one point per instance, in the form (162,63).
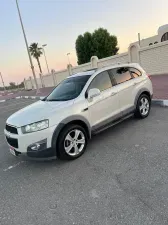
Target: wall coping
(48,75)
(60,71)
(82,65)
(159,73)
(113,57)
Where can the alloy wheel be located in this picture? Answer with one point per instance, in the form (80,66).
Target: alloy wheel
(144,106)
(74,142)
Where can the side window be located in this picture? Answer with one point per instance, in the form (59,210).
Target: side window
(121,74)
(101,81)
(135,73)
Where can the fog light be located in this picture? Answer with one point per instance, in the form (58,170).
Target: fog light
(38,146)
(35,147)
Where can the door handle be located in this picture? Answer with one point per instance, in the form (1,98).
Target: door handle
(113,93)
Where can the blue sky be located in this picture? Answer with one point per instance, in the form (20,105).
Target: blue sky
(59,22)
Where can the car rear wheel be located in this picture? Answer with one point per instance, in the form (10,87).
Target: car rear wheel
(143,106)
(72,142)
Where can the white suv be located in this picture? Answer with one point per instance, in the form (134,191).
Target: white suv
(80,106)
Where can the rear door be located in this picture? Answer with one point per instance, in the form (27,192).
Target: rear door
(137,75)
(141,81)
(125,87)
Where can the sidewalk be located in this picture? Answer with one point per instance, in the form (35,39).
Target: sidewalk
(160,88)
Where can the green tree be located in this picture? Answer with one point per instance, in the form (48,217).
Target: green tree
(21,85)
(12,85)
(36,52)
(84,48)
(100,43)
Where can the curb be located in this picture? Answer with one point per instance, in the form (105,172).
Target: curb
(160,102)
(31,97)
(24,97)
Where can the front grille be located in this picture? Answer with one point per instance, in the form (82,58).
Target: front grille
(12,142)
(11,129)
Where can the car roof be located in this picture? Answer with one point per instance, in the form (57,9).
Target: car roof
(85,73)
(92,71)
(136,65)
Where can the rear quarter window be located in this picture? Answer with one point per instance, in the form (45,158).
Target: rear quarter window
(135,72)
(120,75)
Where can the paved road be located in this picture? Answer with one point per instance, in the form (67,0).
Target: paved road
(121,179)
(42,92)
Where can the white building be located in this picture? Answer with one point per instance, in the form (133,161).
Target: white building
(162,35)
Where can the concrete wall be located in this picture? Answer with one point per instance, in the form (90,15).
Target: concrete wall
(48,80)
(61,75)
(54,79)
(81,68)
(121,58)
(154,59)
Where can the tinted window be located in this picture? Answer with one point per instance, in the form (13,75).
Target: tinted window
(121,74)
(68,89)
(135,73)
(101,81)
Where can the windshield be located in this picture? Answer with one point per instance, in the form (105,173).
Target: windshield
(68,89)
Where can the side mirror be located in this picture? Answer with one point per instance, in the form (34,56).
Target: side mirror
(93,93)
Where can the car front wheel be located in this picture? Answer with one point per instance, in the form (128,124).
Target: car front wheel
(72,142)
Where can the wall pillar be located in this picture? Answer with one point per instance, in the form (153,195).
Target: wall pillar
(94,62)
(133,52)
(53,77)
(31,83)
(42,81)
(25,85)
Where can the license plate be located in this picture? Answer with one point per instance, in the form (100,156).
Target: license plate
(12,151)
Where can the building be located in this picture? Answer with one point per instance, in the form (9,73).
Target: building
(162,35)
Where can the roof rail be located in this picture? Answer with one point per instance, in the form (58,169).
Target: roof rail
(90,69)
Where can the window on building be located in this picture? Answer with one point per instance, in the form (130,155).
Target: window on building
(155,42)
(164,37)
(151,44)
(121,74)
(101,81)
(134,72)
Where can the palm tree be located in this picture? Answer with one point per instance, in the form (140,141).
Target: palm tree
(36,52)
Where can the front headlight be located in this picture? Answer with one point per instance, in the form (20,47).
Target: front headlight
(41,125)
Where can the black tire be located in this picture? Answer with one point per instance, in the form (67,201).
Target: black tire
(140,113)
(70,129)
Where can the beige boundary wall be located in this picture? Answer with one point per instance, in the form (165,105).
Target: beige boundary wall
(154,59)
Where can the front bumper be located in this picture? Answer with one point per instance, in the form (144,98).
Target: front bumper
(22,142)
(45,153)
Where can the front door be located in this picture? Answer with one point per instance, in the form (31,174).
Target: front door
(105,107)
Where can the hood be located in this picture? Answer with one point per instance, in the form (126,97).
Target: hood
(35,112)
